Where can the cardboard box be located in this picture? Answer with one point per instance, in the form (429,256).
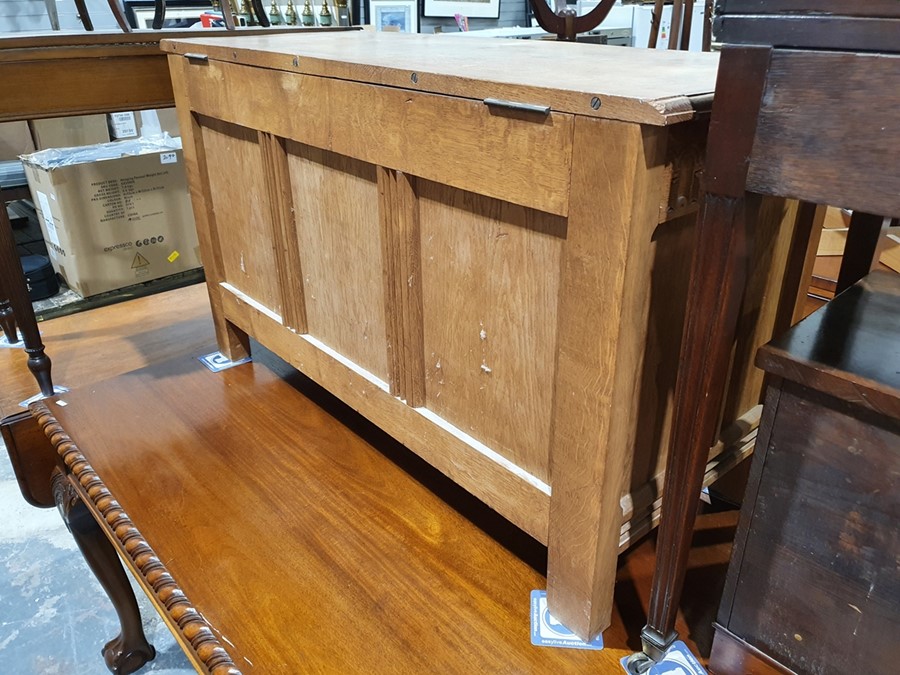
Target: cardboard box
(15,140)
(69,132)
(114,214)
(143,123)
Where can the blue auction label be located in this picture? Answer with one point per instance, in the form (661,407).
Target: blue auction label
(678,661)
(546,631)
(217,361)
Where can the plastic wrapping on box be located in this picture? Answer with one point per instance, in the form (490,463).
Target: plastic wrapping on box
(12,174)
(56,158)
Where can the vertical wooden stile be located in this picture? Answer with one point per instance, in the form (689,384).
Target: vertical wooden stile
(232,341)
(602,320)
(284,231)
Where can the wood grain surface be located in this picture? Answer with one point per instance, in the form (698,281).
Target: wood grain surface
(490,345)
(92,346)
(401,233)
(470,146)
(303,542)
(822,518)
(364,568)
(232,342)
(603,317)
(123,337)
(284,224)
(845,352)
(809,148)
(518,496)
(643,86)
(336,217)
(240,203)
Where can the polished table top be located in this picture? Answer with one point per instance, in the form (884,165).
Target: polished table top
(303,542)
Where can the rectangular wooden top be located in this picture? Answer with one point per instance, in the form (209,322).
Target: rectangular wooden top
(66,73)
(635,85)
(303,547)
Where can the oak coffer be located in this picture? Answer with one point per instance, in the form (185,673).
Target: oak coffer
(483,247)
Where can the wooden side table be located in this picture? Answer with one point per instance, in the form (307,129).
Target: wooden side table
(791,119)
(813,584)
(80,74)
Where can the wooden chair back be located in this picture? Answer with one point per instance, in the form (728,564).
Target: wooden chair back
(680,29)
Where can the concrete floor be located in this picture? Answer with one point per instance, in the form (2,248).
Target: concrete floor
(54,617)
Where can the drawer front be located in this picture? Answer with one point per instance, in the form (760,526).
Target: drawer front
(510,154)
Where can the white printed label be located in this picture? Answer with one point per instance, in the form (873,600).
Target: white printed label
(44,203)
(123,125)
(168,158)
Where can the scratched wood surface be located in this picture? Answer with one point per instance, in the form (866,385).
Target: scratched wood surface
(645,86)
(491,253)
(807,147)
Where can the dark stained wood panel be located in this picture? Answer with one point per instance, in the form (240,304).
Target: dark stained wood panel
(812,32)
(873,8)
(818,142)
(849,349)
(819,585)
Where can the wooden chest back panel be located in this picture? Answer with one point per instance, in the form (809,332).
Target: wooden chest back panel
(493,287)
(335,207)
(490,285)
(240,206)
(469,145)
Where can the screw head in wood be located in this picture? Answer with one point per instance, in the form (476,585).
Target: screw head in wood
(296,61)
(414,77)
(595,103)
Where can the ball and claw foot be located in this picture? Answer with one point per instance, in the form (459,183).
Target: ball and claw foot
(122,662)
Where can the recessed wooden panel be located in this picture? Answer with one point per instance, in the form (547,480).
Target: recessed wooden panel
(240,205)
(338,232)
(490,281)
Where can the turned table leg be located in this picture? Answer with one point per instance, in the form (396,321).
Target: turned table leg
(12,281)
(129,650)
(718,278)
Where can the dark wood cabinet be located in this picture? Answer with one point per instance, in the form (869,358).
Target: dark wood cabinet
(814,581)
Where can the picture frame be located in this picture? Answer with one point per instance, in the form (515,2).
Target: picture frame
(394,15)
(472,9)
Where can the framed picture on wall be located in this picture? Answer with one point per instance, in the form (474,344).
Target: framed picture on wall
(401,16)
(473,9)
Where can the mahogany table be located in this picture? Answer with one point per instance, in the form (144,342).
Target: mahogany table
(805,107)
(59,74)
